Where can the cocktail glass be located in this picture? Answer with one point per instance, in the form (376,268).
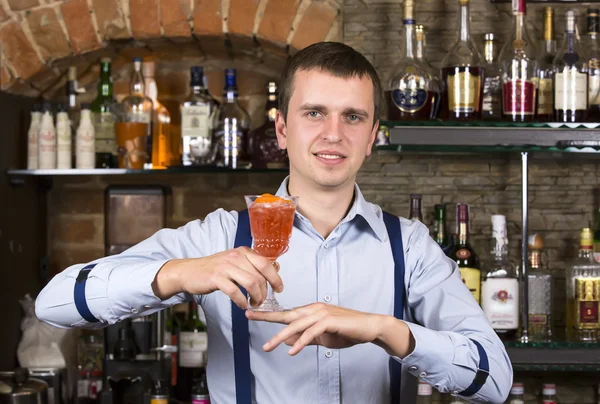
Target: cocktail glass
(271,223)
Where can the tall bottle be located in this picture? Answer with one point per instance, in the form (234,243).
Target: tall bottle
(545,107)
(592,47)
(517,393)
(491,108)
(72,90)
(64,153)
(103,111)
(583,292)
(500,286)
(410,95)
(161,120)
(424,393)
(192,345)
(462,73)
(232,124)
(570,77)
(33,137)
(597,228)
(549,393)
(200,394)
(440,231)
(539,292)
(421,40)
(197,114)
(266,151)
(465,255)
(519,70)
(138,108)
(416,213)
(85,156)
(47,140)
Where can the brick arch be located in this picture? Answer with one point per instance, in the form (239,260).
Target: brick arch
(39,39)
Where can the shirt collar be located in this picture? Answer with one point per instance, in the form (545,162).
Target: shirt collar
(360,207)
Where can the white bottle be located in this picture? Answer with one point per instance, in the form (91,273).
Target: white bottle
(32,138)
(47,141)
(63,138)
(85,150)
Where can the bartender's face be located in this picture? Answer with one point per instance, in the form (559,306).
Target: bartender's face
(329,129)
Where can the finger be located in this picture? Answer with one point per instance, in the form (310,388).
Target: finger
(286,317)
(308,337)
(251,282)
(233,291)
(245,265)
(267,268)
(295,327)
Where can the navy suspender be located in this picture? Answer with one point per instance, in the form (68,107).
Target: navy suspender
(79,294)
(482,374)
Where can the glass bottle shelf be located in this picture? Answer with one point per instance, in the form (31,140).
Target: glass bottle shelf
(122,171)
(554,356)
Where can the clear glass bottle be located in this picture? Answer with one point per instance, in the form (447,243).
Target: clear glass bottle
(32,137)
(583,292)
(197,115)
(592,47)
(517,394)
(539,283)
(424,393)
(232,124)
(549,393)
(545,108)
(462,73)
(161,120)
(265,147)
(421,41)
(500,286)
(104,119)
(491,108)
(519,70)
(411,93)
(416,212)
(570,77)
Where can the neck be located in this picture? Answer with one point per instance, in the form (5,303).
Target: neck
(465,28)
(324,207)
(408,40)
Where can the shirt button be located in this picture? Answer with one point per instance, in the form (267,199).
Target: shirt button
(326,245)
(422,374)
(413,368)
(135,311)
(147,307)
(327,298)
(328,354)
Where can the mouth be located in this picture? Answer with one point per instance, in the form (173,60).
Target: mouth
(329,155)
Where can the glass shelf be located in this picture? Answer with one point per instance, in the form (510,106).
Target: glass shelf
(553,345)
(484,149)
(122,171)
(493,124)
(554,356)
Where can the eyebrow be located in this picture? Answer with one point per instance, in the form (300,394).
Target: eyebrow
(323,108)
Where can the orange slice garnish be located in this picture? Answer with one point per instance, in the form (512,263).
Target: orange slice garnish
(269,198)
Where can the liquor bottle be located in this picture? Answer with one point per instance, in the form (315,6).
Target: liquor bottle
(462,73)
(440,233)
(159,392)
(265,147)
(85,151)
(416,212)
(232,124)
(517,393)
(549,393)
(500,286)
(192,345)
(72,89)
(103,111)
(410,95)
(539,292)
(519,70)
(64,153)
(545,108)
(47,140)
(583,292)
(597,228)
(32,137)
(138,108)
(197,115)
(161,120)
(200,394)
(491,108)
(421,40)
(570,78)
(464,255)
(592,48)
(424,393)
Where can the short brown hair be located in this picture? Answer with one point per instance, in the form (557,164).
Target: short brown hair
(331,57)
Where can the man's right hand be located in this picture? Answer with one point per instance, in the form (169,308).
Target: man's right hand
(224,271)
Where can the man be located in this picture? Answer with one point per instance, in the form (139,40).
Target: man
(358,328)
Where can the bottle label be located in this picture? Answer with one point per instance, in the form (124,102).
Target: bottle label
(463,253)
(159,401)
(104,128)
(545,105)
(192,347)
(500,302)
(587,298)
(492,102)
(471,277)
(597,251)
(85,156)
(538,319)
(519,97)
(549,402)
(230,143)
(201,401)
(63,140)
(517,401)
(570,90)
(195,121)
(410,100)
(463,92)
(47,148)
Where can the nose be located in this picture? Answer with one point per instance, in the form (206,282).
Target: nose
(332,131)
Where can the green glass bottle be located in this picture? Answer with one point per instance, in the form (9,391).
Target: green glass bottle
(440,233)
(103,110)
(192,345)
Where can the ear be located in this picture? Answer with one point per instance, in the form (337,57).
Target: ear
(281,130)
(372,138)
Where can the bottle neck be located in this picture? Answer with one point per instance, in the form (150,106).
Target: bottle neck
(230,96)
(463,233)
(136,86)
(535,259)
(464,23)
(585,251)
(415,210)
(151,90)
(420,51)
(489,51)
(440,230)
(409,29)
(105,88)
(520,26)
(271,108)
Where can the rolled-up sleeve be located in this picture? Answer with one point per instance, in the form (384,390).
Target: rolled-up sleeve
(447,321)
(120,286)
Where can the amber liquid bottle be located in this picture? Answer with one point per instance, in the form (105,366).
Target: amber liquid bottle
(545,107)
(265,148)
(465,255)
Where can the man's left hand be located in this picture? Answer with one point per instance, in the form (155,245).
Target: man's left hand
(323,324)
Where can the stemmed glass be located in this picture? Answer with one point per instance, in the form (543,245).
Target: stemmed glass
(271,223)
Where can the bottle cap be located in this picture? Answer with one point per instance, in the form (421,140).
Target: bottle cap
(136,59)
(535,241)
(105,59)
(272,87)
(61,108)
(517,389)
(72,73)
(462,212)
(549,389)
(586,237)
(197,75)
(415,196)
(230,80)
(47,107)
(424,389)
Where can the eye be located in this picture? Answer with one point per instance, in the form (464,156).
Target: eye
(313,114)
(354,118)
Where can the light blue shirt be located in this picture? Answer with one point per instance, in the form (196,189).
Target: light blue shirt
(353,267)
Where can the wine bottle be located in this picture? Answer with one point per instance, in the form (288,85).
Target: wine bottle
(464,255)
